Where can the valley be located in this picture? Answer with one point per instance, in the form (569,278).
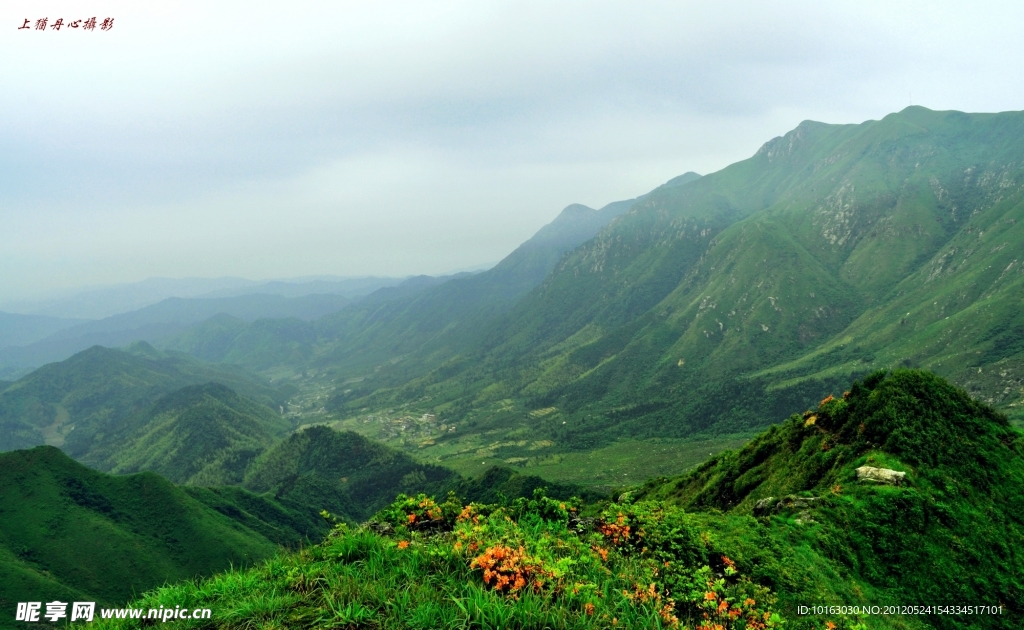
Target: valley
(848,296)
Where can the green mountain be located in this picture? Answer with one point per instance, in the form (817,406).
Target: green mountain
(713,307)
(341,472)
(950,529)
(897,505)
(75,534)
(80,403)
(266,344)
(199,435)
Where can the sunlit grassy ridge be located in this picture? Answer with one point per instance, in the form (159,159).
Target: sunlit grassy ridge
(741,542)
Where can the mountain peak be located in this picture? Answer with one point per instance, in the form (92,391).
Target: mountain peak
(574,209)
(679,180)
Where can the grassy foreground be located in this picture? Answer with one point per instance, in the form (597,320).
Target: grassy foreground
(743,542)
(531,564)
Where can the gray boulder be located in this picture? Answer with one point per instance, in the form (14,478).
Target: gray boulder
(881,475)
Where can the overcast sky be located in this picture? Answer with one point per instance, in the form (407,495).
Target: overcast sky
(275,139)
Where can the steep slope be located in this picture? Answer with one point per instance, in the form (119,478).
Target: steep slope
(834,250)
(78,403)
(74,534)
(951,527)
(199,435)
(928,537)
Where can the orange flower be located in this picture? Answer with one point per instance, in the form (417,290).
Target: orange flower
(510,569)
(412,519)
(830,625)
(588,608)
(827,399)
(710,596)
(748,602)
(402,544)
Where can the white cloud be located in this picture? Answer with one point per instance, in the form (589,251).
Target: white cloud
(273,138)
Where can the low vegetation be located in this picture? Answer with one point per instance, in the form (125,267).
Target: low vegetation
(742,542)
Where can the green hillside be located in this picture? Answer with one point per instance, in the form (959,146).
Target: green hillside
(713,307)
(951,530)
(341,472)
(80,403)
(792,519)
(199,435)
(71,533)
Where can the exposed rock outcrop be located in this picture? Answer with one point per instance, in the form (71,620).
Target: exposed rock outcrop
(881,475)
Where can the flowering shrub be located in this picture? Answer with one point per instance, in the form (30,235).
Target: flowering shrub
(509,570)
(616,532)
(643,564)
(728,606)
(421,513)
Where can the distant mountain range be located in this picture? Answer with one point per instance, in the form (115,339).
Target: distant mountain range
(102,302)
(29,341)
(708,307)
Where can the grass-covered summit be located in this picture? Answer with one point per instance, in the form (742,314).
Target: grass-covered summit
(741,542)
